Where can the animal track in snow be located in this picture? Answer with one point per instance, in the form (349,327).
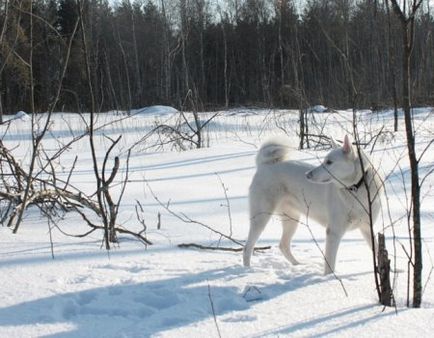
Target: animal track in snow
(127,267)
(158,299)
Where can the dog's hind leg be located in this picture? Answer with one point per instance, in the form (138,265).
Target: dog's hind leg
(257,226)
(289,226)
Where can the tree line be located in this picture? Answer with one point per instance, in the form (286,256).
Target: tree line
(203,54)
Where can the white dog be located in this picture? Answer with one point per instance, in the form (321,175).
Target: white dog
(333,194)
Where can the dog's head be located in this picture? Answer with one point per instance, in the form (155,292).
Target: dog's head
(338,166)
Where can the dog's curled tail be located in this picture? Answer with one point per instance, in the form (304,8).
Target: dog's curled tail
(272,151)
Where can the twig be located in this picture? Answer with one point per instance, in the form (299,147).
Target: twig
(140,217)
(370,201)
(430,271)
(326,261)
(184,218)
(318,246)
(228,205)
(213,311)
(51,238)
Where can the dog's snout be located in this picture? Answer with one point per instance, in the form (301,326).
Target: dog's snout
(309,175)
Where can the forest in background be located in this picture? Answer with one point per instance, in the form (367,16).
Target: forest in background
(203,54)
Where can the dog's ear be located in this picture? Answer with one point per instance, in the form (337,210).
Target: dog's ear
(347,147)
(333,142)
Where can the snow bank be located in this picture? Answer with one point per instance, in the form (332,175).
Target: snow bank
(155,110)
(318,109)
(21,116)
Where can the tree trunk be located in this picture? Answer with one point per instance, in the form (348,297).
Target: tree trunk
(185,70)
(407,24)
(386,295)
(139,87)
(392,69)
(415,188)
(167,69)
(225,65)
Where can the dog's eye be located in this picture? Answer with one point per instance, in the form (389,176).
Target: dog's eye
(328,162)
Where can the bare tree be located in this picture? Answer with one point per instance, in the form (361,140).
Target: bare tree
(407,16)
(107,208)
(37,137)
(5,15)
(392,67)
(372,190)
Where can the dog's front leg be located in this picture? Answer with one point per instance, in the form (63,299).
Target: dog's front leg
(333,238)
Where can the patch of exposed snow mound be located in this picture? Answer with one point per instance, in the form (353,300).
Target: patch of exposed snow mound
(318,109)
(155,110)
(21,116)
(241,112)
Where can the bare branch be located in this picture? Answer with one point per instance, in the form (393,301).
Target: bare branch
(184,218)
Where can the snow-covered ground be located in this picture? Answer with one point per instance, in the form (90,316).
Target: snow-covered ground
(162,290)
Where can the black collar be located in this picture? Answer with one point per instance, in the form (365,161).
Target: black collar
(356,186)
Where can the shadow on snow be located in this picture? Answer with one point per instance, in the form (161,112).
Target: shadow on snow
(143,309)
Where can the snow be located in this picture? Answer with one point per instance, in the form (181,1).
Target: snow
(21,116)
(164,291)
(318,109)
(155,110)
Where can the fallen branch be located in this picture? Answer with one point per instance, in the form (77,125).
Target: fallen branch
(219,248)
